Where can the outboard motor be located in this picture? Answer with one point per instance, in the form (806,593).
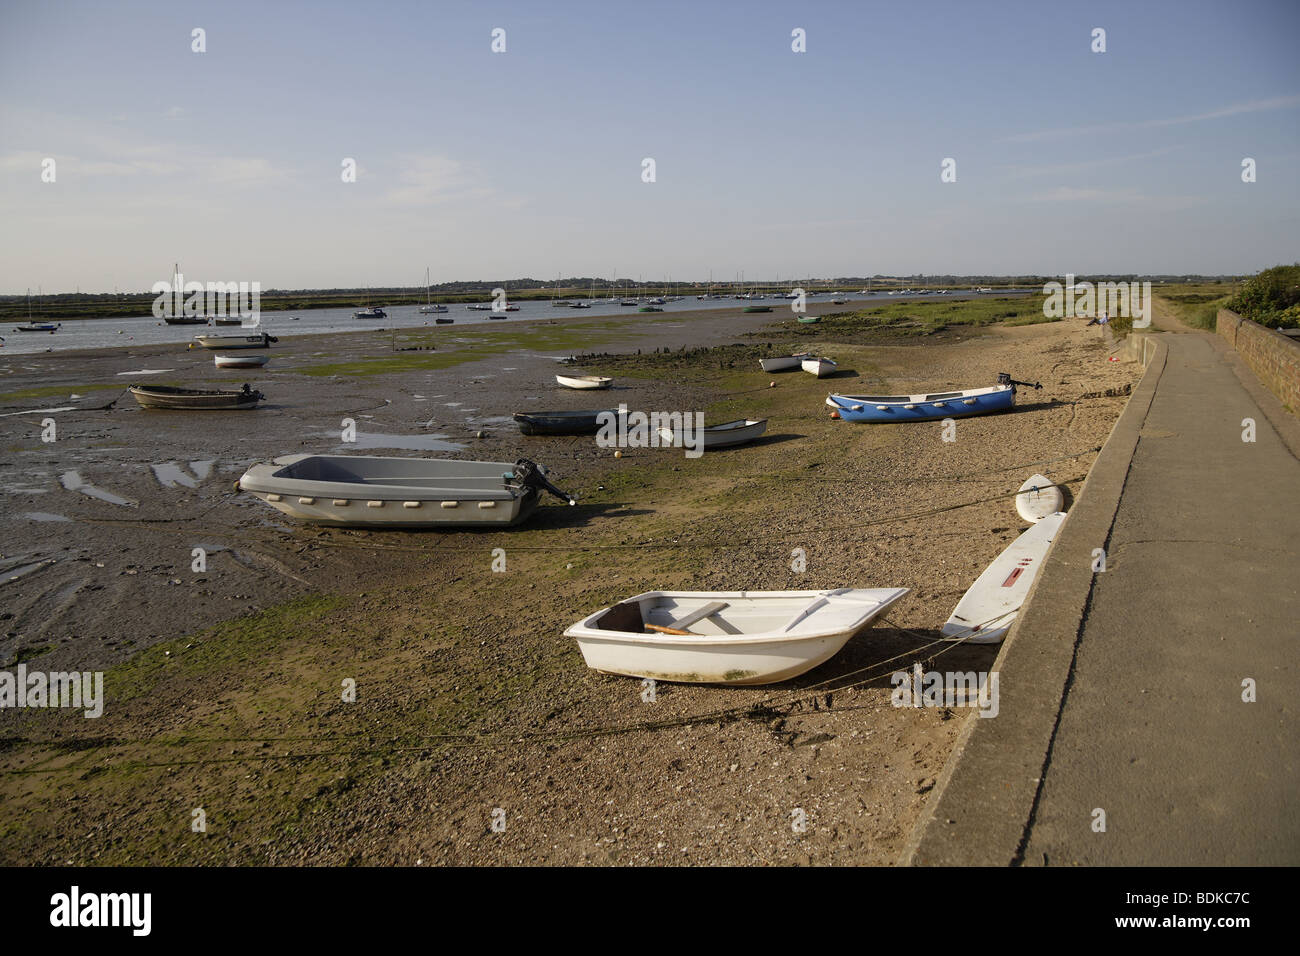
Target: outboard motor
(1004,378)
(529,474)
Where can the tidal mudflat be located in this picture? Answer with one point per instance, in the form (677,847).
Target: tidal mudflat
(225,686)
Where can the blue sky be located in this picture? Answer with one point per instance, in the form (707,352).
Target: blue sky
(488,165)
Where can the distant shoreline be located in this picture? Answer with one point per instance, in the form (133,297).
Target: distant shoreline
(14,309)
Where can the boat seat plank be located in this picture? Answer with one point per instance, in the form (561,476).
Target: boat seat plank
(699,614)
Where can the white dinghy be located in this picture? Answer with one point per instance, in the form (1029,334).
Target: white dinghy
(584,381)
(241,361)
(261,340)
(1038,498)
(783,363)
(986,612)
(726,435)
(821,367)
(374,492)
(726,637)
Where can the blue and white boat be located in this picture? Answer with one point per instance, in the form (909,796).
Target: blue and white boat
(918,408)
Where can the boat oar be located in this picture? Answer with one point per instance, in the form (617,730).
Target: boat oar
(678,627)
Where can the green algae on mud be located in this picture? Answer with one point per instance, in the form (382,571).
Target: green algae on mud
(51,391)
(488,342)
(913,320)
(233,644)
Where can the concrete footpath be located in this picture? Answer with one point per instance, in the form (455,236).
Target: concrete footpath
(1122,691)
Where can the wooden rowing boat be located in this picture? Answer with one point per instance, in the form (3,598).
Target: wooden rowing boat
(195,399)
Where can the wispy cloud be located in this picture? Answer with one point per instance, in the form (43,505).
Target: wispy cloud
(1113,197)
(1251,106)
(1056,169)
(242,171)
(428,180)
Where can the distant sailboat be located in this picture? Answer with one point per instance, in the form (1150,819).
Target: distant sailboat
(181,319)
(429,308)
(558,303)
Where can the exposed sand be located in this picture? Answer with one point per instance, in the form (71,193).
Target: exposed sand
(245,719)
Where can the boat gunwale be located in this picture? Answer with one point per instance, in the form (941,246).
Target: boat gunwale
(266,478)
(836,398)
(586,629)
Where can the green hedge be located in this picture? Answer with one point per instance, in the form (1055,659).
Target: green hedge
(1271,298)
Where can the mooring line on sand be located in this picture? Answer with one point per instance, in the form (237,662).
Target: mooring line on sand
(763,710)
(731,543)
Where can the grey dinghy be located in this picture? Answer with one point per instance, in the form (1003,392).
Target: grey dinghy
(261,340)
(168,396)
(372,492)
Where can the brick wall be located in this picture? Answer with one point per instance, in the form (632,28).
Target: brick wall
(1272,356)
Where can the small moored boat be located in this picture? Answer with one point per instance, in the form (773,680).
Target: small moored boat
(195,399)
(240,361)
(726,435)
(584,381)
(935,405)
(758,308)
(726,637)
(375,313)
(561,423)
(784,363)
(375,492)
(820,367)
(261,340)
(39,327)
